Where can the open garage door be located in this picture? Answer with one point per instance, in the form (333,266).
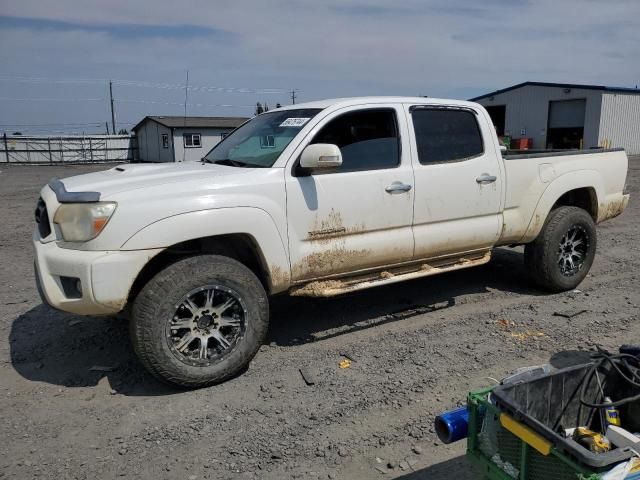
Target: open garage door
(497,114)
(566,123)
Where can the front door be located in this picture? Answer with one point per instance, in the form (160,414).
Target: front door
(459,181)
(358,216)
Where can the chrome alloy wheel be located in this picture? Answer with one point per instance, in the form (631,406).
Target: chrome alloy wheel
(207,325)
(573,249)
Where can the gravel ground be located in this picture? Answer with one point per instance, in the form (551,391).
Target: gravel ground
(419,347)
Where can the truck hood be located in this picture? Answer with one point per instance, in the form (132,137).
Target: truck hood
(131,177)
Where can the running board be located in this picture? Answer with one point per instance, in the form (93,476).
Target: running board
(339,286)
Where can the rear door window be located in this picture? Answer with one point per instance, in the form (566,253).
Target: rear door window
(446,135)
(368,139)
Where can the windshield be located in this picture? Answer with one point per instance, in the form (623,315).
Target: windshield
(260,141)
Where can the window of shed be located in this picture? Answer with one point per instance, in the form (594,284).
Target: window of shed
(267,141)
(192,140)
(165,140)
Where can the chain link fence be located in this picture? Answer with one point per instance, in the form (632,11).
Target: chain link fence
(67,149)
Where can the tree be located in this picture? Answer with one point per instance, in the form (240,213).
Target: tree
(259,108)
(123,131)
(278,105)
(266,107)
(17,133)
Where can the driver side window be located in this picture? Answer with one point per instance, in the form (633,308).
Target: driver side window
(368,139)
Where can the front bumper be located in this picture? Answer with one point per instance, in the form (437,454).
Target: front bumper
(105,277)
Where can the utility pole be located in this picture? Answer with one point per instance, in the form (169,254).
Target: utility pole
(113,115)
(184,124)
(6,147)
(293,96)
(106,124)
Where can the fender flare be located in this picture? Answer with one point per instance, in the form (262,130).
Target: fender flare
(556,189)
(251,221)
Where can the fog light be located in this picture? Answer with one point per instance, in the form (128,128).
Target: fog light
(72,287)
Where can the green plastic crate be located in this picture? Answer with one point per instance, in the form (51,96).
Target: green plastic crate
(498,454)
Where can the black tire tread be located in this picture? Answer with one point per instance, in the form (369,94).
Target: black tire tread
(181,273)
(540,254)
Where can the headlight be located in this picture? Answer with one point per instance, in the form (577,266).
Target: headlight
(80,222)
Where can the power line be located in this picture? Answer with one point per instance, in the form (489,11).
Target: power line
(100,123)
(50,80)
(53,99)
(204,88)
(144,84)
(125,100)
(50,124)
(50,127)
(181,104)
(46,131)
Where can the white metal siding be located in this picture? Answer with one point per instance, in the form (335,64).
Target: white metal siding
(141,139)
(150,140)
(164,154)
(153,140)
(527,108)
(209,138)
(620,122)
(150,149)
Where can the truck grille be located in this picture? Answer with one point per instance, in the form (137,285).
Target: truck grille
(42,219)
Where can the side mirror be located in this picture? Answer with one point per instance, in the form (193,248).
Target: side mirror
(321,155)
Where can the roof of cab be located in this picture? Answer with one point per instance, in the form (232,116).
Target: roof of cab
(352,101)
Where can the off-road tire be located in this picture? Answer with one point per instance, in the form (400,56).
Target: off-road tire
(156,303)
(542,255)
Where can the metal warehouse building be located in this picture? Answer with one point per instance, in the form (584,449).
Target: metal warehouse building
(181,139)
(555,115)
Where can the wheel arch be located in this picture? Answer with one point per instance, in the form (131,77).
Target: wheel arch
(247,235)
(585,198)
(581,189)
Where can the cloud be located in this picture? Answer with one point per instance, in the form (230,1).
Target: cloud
(334,48)
(368,10)
(129,31)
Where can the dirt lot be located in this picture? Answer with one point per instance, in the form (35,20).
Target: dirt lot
(419,348)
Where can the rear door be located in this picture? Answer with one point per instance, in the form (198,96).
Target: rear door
(358,216)
(458,180)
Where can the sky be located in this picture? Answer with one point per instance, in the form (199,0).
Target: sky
(57,57)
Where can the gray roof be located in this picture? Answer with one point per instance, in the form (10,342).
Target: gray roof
(563,85)
(170,121)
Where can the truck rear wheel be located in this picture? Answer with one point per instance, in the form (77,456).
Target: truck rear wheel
(560,258)
(199,321)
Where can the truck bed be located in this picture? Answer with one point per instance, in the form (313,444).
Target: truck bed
(519,154)
(536,180)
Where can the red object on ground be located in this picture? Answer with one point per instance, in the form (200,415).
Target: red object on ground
(521,143)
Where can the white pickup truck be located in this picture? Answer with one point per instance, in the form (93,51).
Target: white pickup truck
(314,199)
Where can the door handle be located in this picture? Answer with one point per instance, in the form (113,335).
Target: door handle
(397,187)
(485,178)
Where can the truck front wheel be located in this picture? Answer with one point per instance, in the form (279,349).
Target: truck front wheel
(562,254)
(199,321)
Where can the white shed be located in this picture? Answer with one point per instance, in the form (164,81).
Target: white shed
(558,115)
(181,139)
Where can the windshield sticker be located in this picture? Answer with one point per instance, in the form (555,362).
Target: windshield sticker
(294,122)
